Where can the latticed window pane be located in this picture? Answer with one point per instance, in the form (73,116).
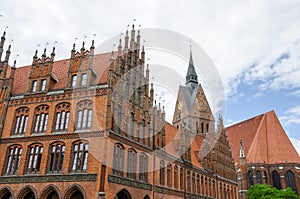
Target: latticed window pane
(43,85)
(84,115)
(83,79)
(74,80)
(80,155)
(131,164)
(34,86)
(21,120)
(34,159)
(41,119)
(118,161)
(13,160)
(143,168)
(56,158)
(62,113)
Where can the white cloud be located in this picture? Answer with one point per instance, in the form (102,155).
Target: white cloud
(296,143)
(291,116)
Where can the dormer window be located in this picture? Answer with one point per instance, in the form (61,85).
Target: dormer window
(34,86)
(83,79)
(74,80)
(43,85)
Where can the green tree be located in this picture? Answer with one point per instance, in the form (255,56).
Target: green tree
(264,191)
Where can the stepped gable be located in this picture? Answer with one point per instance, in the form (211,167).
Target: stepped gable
(60,71)
(264,140)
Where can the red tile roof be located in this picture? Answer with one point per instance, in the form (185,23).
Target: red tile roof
(60,71)
(264,140)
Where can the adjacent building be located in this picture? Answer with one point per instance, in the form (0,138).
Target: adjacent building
(263,154)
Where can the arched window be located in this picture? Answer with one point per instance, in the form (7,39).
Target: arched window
(169,175)
(258,177)
(119,118)
(250,178)
(202,127)
(131,126)
(181,179)
(188,181)
(21,120)
(13,160)
(162,173)
(80,156)
(84,115)
(143,167)
(118,160)
(176,177)
(62,116)
(34,158)
(56,159)
(149,133)
(143,132)
(131,164)
(41,119)
(198,183)
(193,183)
(290,180)
(276,180)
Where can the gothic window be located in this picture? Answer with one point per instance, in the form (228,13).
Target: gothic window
(169,175)
(34,86)
(56,159)
(176,177)
(74,80)
(41,119)
(62,116)
(21,120)
(34,158)
(119,117)
(290,180)
(149,133)
(80,156)
(250,178)
(202,127)
(143,131)
(118,160)
(198,183)
(13,160)
(258,177)
(207,127)
(197,127)
(188,181)
(162,173)
(43,85)
(84,115)
(131,164)
(276,180)
(131,125)
(143,167)
(193,183)
(83,79)
(181,179)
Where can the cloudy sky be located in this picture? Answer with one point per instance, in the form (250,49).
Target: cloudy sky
(254,44)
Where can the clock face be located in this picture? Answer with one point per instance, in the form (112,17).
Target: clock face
(180,104)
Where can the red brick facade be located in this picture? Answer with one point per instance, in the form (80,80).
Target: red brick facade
(84,128)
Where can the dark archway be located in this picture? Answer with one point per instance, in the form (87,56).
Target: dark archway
(276,180)
(146,197)
(290,180)
(53,195)
(27,192)
(123,194)
(50,192)
(77,195)
(6,193)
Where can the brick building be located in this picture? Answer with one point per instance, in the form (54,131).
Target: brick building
(89,127)
(263,154)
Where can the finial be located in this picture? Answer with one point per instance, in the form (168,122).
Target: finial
(4,32)
(74,44)
(127,28)
(133,24)
(82,48)
(93,41)
(15,61)
(53,49)
(11,41)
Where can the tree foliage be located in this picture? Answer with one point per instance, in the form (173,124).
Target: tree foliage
(264,191)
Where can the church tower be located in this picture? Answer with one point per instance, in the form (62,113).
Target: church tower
(192,116)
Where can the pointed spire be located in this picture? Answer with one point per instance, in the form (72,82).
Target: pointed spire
(120,47)
(242,152)
(7,53)
(35,57)
(53,53)
(2,43)
(138,39)
(126,40)
(191,76)
(83,43)
(44,55)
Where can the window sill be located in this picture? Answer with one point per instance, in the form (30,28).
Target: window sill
(38,134)
(59,132)
(82,131)
(17,136)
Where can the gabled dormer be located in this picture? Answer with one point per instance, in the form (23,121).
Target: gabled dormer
(81,74)
(41,77)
